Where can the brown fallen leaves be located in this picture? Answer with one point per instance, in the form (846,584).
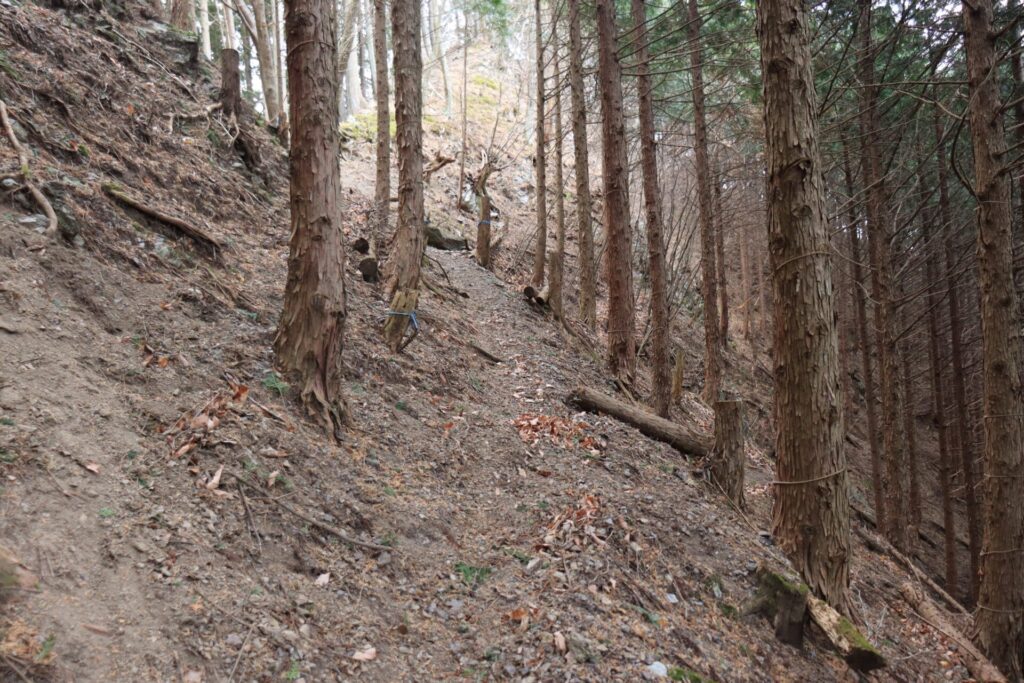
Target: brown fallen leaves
(575,527)
(561,431)
(193,428)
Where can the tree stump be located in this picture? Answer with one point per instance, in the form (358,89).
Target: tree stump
(483,232)
(782,601)
(678,374)
(230,84)
(401,315)
(727,459)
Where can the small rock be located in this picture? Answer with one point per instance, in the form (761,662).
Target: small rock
(234,640)
(657,669)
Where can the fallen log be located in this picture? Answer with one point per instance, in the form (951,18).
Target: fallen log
(980,667)
(858,652)
(195,234)
(908,564)
(649,424)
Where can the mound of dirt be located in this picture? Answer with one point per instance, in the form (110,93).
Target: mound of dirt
(186,522)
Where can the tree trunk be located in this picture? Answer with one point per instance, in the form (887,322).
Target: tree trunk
(723,291)
(727,460)
(248,83)
(618,243)
(346,38)
(382,187)
(483,232)
(230,87)
(460,195)
(437,42)
(879,235)
(709,273)
(311,330)
(914,503)
(585,231)
(279,68)
(678,375)
(811,514)
(410,237)
(939,409)
(181,15)
(227,18)
(1000,616)
(355,92)
(660,324)
(864,342)
(556,260)
(959,370)
(263,39)
(204,29)
(748,303)
(539,164)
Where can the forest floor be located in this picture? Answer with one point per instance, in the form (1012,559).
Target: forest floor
(521,539)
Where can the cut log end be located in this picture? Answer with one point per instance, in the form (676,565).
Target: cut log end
(846,638)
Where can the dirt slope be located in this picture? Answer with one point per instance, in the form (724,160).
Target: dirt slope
(523,541)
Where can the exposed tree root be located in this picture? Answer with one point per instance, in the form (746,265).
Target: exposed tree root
(26,173)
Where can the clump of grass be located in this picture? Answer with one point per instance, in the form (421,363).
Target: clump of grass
(273,382)
(472,576)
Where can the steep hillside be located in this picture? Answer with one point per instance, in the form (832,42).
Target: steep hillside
(174,516)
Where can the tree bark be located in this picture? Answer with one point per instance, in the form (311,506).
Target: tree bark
(618,247)
(227,17)
(346,39)
(879,235)
(1000,616)
(709,273)
(727,460)
(311,329)
(248,82)
(382,186)
(263,40)
(460,195)
(721,277)
(585,230)
(660,324)
(410,236)
(204,28)
(279,68)
(556,260)
(963,439)
(811,510)
(230,87)
(864,341)
(483,231)
(914,503)
(540,164)
(936,363)
(649,424)
(181,15)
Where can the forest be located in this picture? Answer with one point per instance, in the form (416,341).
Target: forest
(511,340)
